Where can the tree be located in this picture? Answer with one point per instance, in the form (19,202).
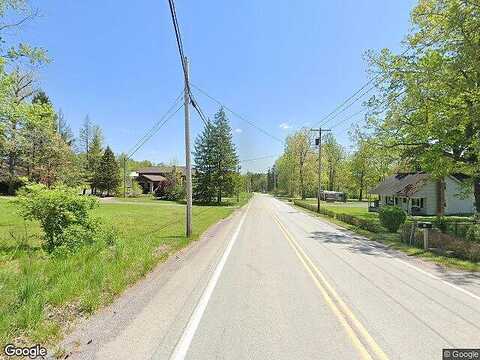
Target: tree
(333,154)
(224,156)
(64,129)
(215,160)
(41,98)
(203,190)
(91,148)
(298,151)
(427,108)
(107,173)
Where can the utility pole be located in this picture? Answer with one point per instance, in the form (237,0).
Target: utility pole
(188,165)
(319,143)
(238,183)
(124,176)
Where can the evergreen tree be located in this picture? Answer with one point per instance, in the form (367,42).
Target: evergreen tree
(91,150)
(203,190)
(41,98)
(94,157)
(215,161)
(64,129)
(225,159)
(107,173)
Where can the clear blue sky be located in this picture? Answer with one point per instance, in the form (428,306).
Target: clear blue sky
(274,61)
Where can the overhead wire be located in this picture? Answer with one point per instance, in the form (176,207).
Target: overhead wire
(265,132)
(162,122)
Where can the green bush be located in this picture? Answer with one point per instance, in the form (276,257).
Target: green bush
(391,217)
(171,190)
(133,191)
(441,224)
(473,233)
(365,224)
(60,211)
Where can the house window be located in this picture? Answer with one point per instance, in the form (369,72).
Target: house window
(396,201)
(417,202)
(404,200)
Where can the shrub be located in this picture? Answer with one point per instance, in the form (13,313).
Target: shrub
(135,190)
(57,210)
(441,224)
(391,217)
(171,190)
(473,233)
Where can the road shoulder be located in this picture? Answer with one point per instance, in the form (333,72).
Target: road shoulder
(168,292)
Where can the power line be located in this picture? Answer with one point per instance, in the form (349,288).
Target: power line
(152,129)
(259,158)
(178,37)
(198,109)
(164,120)
(237,115)
(387,102)
(333,114)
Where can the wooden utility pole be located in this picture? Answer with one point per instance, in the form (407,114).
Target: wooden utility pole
(319,143)
(188,165)
(125,176)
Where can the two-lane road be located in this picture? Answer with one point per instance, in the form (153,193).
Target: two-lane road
(294,287)
(286,285)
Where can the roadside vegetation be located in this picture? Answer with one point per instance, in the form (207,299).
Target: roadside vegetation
(43,290)
(449,251)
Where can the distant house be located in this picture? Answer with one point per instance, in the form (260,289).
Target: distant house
(420,194)
(331,196)
(153,178)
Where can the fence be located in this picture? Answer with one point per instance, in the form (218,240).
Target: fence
(444,243)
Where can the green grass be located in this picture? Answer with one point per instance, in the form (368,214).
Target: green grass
(360,209)
(39,294)
(393,241)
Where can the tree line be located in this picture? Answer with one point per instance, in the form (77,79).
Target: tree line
(36,143)
(295,173)
(424,114)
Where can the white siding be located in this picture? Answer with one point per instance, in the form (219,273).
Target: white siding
(429,194)
(456,203)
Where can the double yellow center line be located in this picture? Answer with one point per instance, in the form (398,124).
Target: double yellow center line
(357,333)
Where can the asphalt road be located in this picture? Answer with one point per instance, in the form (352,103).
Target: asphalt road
(277,283)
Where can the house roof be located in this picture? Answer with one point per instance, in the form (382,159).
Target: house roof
(160,169)
(154,178)
(401,184)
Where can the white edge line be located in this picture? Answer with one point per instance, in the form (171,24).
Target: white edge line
(183,345)
(456,287)
(466,292)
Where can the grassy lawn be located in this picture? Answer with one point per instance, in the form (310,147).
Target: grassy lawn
(393,240)
(360,209)
(40,294)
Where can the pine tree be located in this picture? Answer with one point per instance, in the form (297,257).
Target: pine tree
(107,173)
(203,191)
(215,161)
(225,159)
(64,129)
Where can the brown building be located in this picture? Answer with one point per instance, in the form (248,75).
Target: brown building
(155,177)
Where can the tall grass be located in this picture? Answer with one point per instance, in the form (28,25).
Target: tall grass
(39,293)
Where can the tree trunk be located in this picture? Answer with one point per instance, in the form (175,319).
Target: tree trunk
(11,174)
(331,176)
(476,192)
(302,190)
(360,198)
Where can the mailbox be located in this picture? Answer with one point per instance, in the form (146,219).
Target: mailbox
(425,225)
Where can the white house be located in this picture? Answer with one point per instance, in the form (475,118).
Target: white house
(420,194)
